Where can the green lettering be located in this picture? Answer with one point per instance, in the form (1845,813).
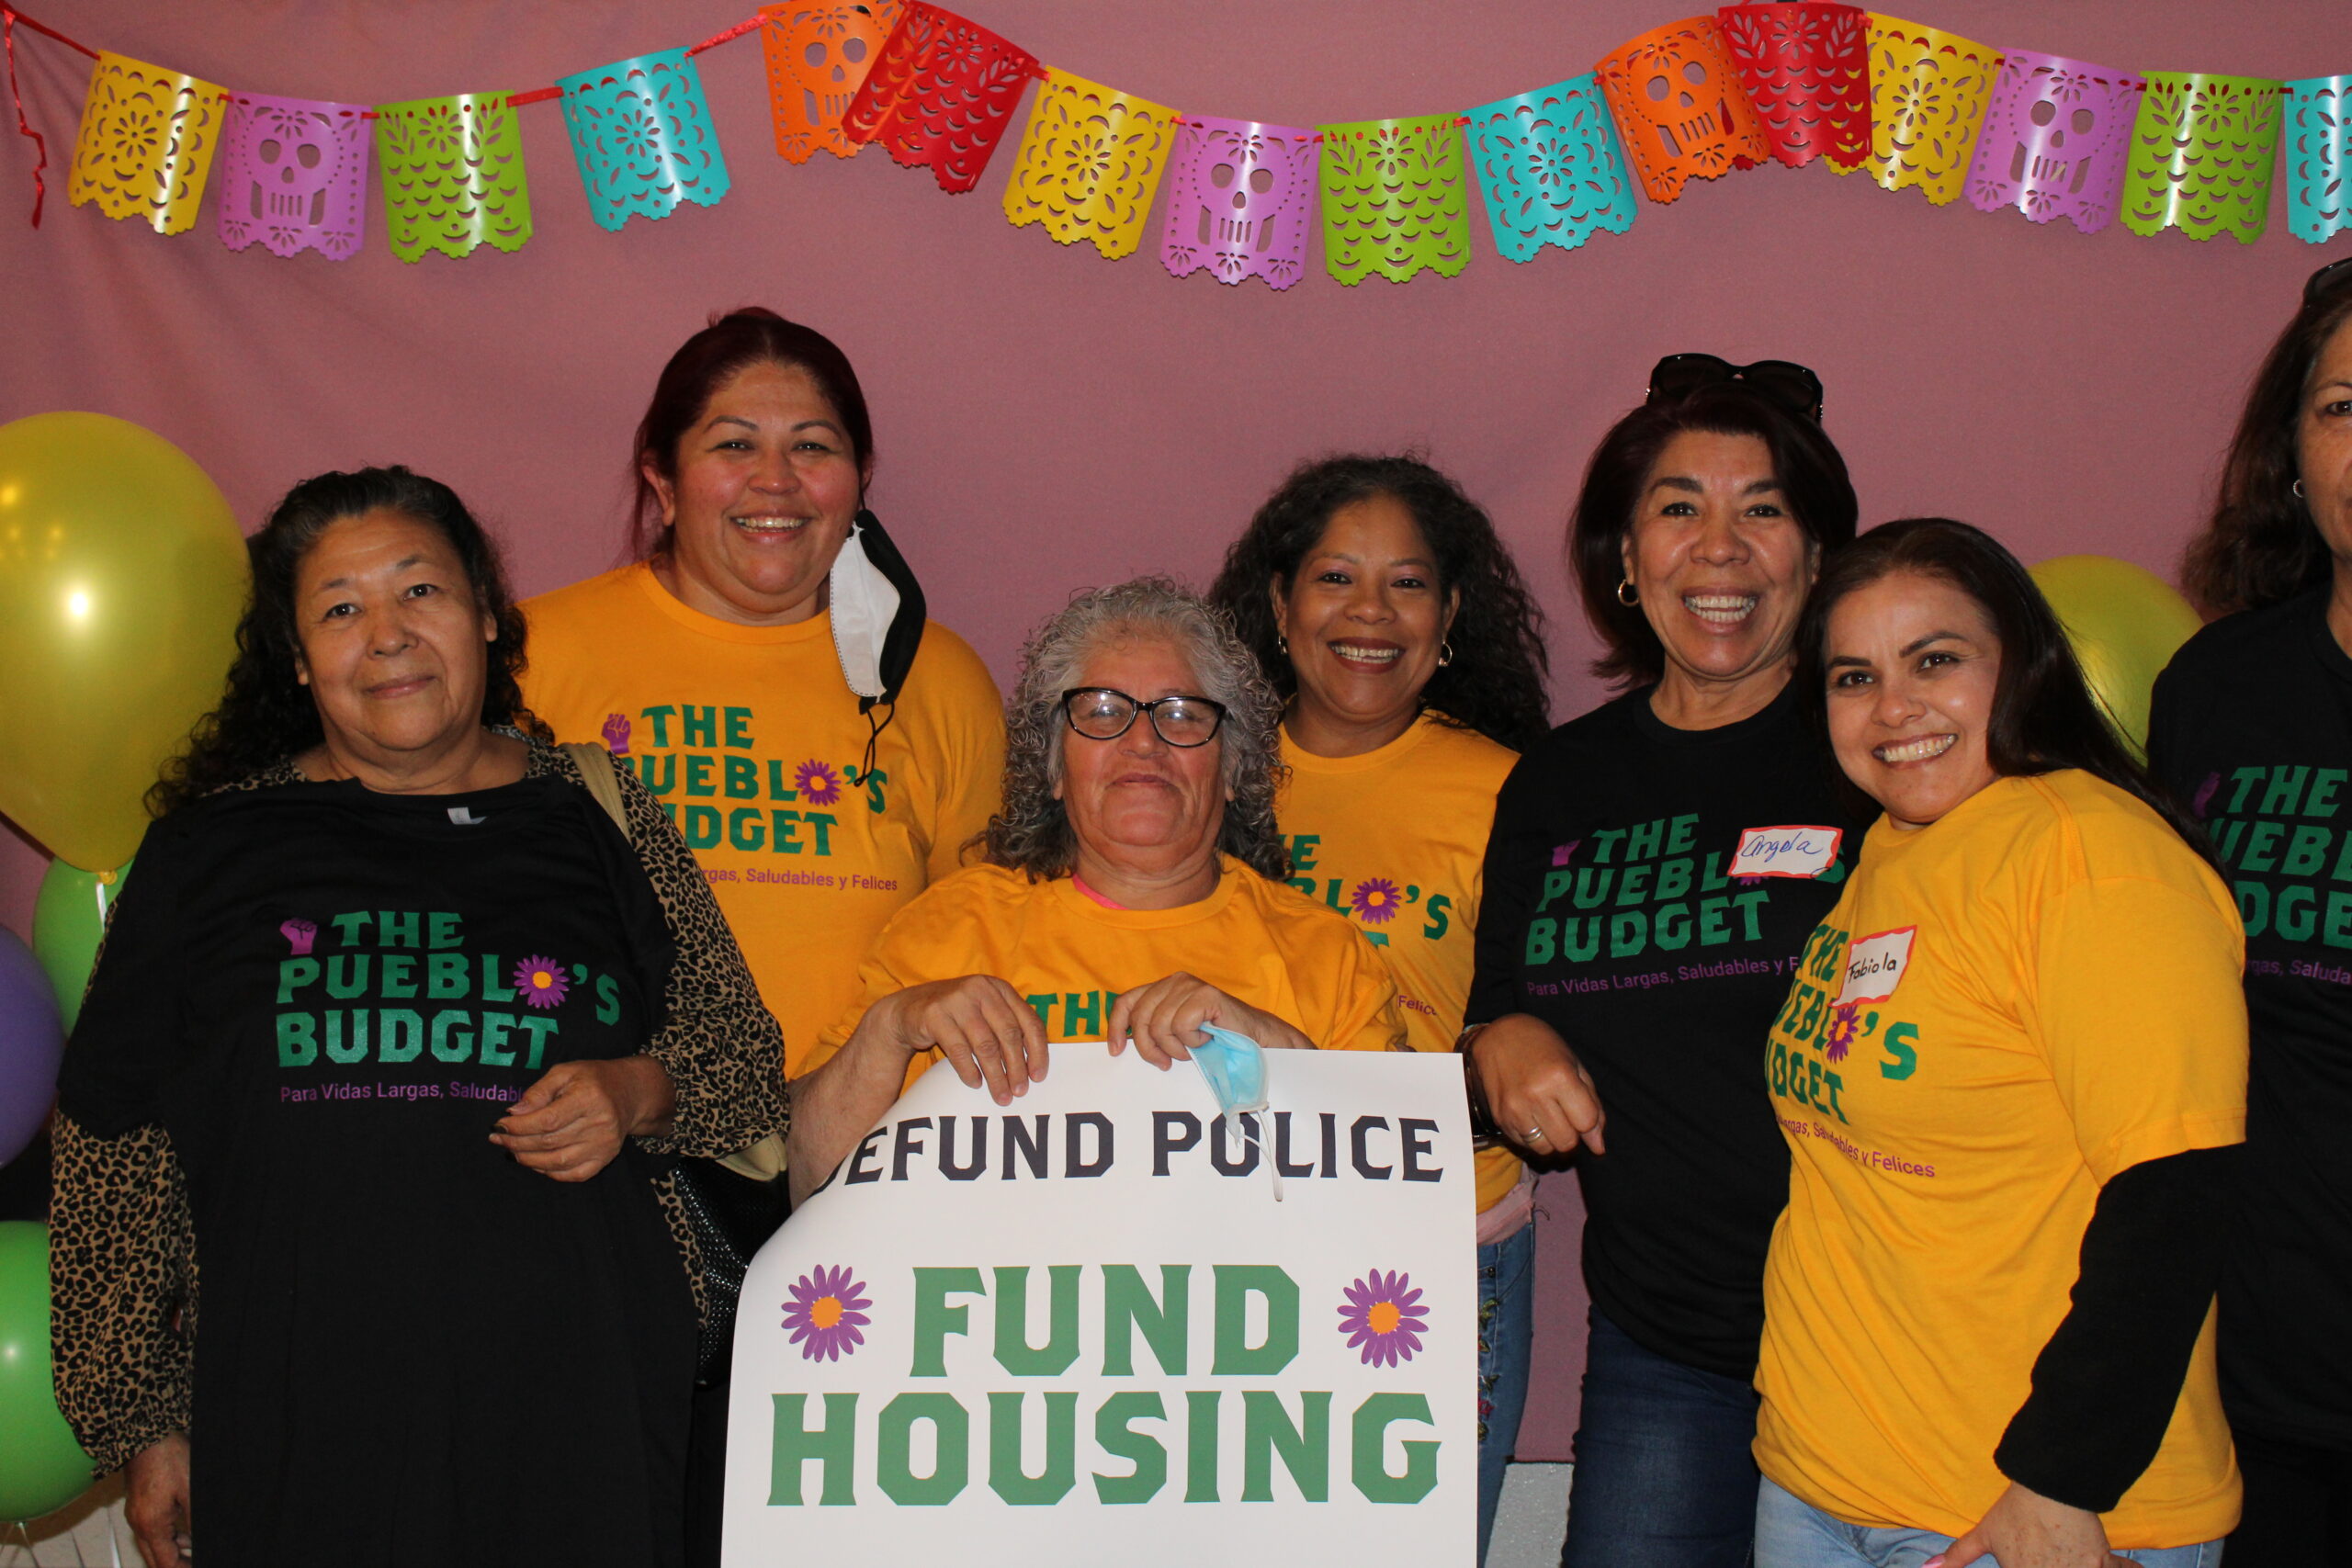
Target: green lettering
(745,830)
(1628,934)
(1235,1356)
(347,975)
(701,827)
(935,1320)
(1200,1445)
(1632,886)
(297,1038)
(539,1029)
(1674,877)
(1539,942)
(1129,1305)
(701,725)
(660,718)
(1368,1464)
(1713,932)
(2285,791)
(1013,1351)
(450,1042)
(742,779)
(699,768)
(2306,850)
(2288,924)
(1682,834)
(1903,1057)
(1749,903)
(2258,845)
(738,728)
(1306,1448)
(445,978)
(393,978)
(293,973)
(2246,778)
(2253,907)
(894,1449)
(823,821)
(1605,844)
(1116,1437)
(441,931)
(396,930)
(357,1051)
(832,1446)
(2321,802)
(1007,1479)
(400,1035)
(495,1028)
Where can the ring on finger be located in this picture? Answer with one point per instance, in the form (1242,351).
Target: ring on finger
(1535,1134)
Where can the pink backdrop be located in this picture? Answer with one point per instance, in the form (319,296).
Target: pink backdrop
(1046,419)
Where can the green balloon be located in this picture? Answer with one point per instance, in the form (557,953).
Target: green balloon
(46,1469)
(69,917)
(2126,623)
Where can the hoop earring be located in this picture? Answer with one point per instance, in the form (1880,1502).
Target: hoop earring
(1629,601)
(2299,490)
(1445,653)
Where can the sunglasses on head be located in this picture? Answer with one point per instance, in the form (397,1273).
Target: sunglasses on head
(1784,381)
(2326,278)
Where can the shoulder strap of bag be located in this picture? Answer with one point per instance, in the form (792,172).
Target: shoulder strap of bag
(595,766)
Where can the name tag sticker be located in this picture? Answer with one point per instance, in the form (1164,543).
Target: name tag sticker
(1786,851)
(1876,964)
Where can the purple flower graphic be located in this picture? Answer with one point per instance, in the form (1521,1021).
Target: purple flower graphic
(617,734)
(1384,1318)
(1845,1027)
(825,1313)
(1375,899)
(542,982)
(817,781)
(300,934)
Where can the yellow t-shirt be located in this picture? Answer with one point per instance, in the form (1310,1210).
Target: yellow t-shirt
(754,743)
(2041,990)
(1398,838)
(1255,940)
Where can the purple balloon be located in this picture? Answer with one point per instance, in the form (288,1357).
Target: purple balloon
(32,1042)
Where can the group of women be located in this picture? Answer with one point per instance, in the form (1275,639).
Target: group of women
(1896,1017)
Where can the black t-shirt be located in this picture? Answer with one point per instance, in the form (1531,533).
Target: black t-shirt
(1610,913)
(2252,729)
(410,1349)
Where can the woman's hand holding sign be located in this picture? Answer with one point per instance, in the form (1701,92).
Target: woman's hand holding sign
(1542,1098)
(980,1026)
(1163,1021)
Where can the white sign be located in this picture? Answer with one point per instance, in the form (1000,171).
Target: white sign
(1082,1330)
(1792,850)
(1875,966)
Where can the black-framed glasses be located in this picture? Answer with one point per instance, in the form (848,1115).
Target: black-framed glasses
(2326,278)
(1102,713)
(1784,380)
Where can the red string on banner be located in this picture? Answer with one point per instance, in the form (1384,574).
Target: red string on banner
(41,147)
(730,36)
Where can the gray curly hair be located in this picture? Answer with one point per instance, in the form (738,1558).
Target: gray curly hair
(1033,834)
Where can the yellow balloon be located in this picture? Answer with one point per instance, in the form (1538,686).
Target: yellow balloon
(2126,623)
(122,575)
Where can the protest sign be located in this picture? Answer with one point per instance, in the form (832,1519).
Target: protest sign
(1083,1328)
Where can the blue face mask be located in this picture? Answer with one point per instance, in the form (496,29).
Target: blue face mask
(1235,1067)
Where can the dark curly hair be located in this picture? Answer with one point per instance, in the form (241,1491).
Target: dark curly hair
(1811,472)
(266,715)
(1494,684)
(2261,546)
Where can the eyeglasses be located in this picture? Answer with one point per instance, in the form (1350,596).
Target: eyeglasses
(1784,381)
(2326,278)
(1100,713)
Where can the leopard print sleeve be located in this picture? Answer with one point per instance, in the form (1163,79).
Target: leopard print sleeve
(720,1044)
(122,1289)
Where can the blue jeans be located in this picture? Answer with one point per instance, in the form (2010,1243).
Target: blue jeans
(1791,1533)
(1506,1331)
(1664,1478)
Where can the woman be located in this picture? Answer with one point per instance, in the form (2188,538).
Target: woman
(1135,863)
(752,665)
(2249,725)
(447,1312)
(1410,661)
(2012,1072)
(1654,866)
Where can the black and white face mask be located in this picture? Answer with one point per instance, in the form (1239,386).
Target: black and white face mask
(877,612)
